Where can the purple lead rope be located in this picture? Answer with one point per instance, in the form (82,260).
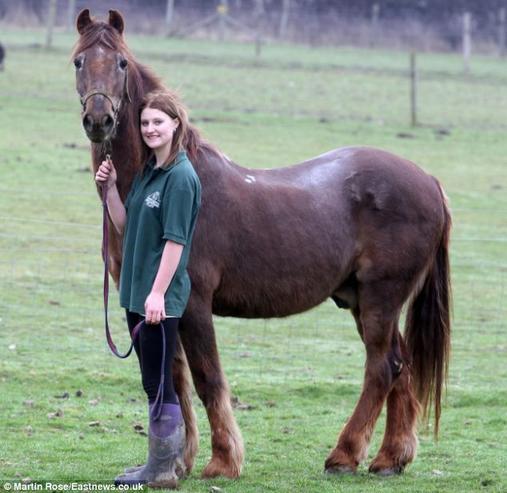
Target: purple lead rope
(157,405)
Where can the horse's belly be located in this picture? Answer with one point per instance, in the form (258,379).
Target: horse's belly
(261,307)
(267,291)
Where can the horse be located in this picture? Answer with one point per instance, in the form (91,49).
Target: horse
(359,225)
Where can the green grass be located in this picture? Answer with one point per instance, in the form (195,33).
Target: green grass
(301,375)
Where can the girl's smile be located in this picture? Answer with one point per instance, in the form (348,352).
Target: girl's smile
(157,130)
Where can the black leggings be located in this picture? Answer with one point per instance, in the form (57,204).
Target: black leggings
(148,347)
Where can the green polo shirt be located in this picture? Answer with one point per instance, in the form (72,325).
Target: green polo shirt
(162,205)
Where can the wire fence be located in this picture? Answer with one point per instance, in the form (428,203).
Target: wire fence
(59,278)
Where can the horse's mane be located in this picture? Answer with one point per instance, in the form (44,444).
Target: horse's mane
(141,80)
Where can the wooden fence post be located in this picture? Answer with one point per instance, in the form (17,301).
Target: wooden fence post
(258,45)
(169,11)
(223,10)
(375,11)
(71,13)
(284,19)
(467,40)
(501,31)
(258,15)
(50,23)
(413,90)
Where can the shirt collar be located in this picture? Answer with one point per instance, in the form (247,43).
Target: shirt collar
(152,161)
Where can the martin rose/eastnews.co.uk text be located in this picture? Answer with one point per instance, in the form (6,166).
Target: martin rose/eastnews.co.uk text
(72,486)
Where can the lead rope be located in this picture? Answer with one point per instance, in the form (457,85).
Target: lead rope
(157,405)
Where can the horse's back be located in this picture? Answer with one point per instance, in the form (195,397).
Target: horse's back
(282,241)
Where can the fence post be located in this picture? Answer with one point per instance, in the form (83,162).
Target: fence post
(223,10)
(375,11)
(258,15)
(413,90)
(501,32)
(71,15)
(50,22)
(467,40)
(258,45)
(284,19)
(169,16)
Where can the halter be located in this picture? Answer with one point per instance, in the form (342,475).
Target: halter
(116,107)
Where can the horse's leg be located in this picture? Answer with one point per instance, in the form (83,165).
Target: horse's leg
(377,315)
(183,387)
(400,442)
(198,338)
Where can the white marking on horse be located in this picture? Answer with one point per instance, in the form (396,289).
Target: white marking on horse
(250,179)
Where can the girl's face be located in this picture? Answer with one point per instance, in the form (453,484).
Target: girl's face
(157,128)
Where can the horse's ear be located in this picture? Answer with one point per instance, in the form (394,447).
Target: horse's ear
(83,20)
(116,21)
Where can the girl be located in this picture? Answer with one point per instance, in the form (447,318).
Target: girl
(157,222)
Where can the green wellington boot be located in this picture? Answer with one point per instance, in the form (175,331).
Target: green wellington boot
(165,462)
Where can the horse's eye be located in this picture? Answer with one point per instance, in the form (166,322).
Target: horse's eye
(77,63)
(123,63)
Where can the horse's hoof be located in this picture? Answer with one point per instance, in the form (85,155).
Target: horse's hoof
(339,469)
(339,462)
(218,468)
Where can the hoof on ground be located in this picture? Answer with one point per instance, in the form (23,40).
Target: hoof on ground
(217,468)
(339,469)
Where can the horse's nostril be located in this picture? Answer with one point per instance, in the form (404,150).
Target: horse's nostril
(88,123)
(107,122)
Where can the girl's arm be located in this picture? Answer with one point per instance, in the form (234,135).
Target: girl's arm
(154,306)
(116,209)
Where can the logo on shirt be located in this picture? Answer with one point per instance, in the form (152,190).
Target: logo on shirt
(153,200)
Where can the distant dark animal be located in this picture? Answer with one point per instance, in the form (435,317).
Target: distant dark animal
(2,56)
(359,225)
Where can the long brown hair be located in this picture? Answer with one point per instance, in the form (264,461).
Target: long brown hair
(185,137)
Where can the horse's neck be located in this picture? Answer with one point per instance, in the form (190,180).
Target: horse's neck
(127,156)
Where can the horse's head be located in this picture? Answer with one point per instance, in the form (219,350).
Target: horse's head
(101,61)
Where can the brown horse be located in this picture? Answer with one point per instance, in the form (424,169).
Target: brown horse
(359,225)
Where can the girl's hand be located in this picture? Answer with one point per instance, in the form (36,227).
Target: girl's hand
(106,174)
(154,308)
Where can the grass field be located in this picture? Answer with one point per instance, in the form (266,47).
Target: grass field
(298,377)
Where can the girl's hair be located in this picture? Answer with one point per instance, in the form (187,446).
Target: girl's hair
(186,137)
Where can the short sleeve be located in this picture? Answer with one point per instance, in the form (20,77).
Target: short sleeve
(178,212)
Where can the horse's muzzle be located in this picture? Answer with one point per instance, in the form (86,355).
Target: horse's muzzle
(98,129)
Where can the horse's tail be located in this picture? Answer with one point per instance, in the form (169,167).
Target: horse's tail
(428,327)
